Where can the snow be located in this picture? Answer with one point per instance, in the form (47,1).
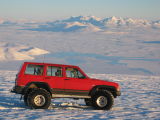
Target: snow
(74,24)
(11,51)
(139,100)
(114,47)
(90,17)
(104,23)
(98,45)
(101,23)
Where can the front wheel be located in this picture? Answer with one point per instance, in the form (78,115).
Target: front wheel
(103,100)
(39,99)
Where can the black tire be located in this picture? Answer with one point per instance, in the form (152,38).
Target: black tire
(39,99)
(88,101)
(25,99)
(103,100)
(26,96)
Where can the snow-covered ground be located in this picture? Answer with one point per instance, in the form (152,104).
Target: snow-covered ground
(140,100)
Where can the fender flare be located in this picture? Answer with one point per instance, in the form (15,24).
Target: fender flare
(112,89)
(33,85)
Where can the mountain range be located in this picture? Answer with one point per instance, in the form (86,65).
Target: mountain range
(90,23)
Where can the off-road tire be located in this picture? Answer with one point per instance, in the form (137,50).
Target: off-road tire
(26,96)
(39,99)
(88,101)
(25,99)
(102,100)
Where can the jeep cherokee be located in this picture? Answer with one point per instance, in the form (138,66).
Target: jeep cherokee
(39,82)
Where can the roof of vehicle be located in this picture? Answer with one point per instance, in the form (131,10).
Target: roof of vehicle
(50,64)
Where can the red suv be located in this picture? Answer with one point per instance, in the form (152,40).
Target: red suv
(39,82)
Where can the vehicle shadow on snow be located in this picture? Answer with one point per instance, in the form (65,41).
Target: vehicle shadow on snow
(11,102)
(70,106)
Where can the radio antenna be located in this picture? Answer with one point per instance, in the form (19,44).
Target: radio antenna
(44,48)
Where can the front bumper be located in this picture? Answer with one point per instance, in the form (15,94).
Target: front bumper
(17,89)
(116,93)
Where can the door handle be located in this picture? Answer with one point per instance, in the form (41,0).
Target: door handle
(67,79)
(47,77)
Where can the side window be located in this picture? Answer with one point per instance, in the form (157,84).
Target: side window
(74,73)
(80,75)
(54,71)
(34,69)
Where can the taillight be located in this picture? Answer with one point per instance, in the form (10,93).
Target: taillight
(16,80)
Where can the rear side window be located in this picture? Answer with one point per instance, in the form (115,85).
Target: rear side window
(54,71)
(34,69)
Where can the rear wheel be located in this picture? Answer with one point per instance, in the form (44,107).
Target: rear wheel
(39,99)
(26,96)
(25,99)
(103,100)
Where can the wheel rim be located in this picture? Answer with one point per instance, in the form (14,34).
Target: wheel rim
(101,101)
(39,100)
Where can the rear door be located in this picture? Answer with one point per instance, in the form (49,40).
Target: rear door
(33,73)
(54,77)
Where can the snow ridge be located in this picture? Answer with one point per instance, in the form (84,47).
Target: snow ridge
(11,51)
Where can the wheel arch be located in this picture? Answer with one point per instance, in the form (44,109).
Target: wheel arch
(112,89)
(34,85)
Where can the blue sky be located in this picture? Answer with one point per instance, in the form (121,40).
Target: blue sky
(55,9)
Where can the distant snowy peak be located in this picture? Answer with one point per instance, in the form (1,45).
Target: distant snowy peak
(92,28)
(11,51)
(91,18)
(68,25)
(124,21)
(82,19)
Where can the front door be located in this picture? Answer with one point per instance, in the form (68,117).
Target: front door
(75,82)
